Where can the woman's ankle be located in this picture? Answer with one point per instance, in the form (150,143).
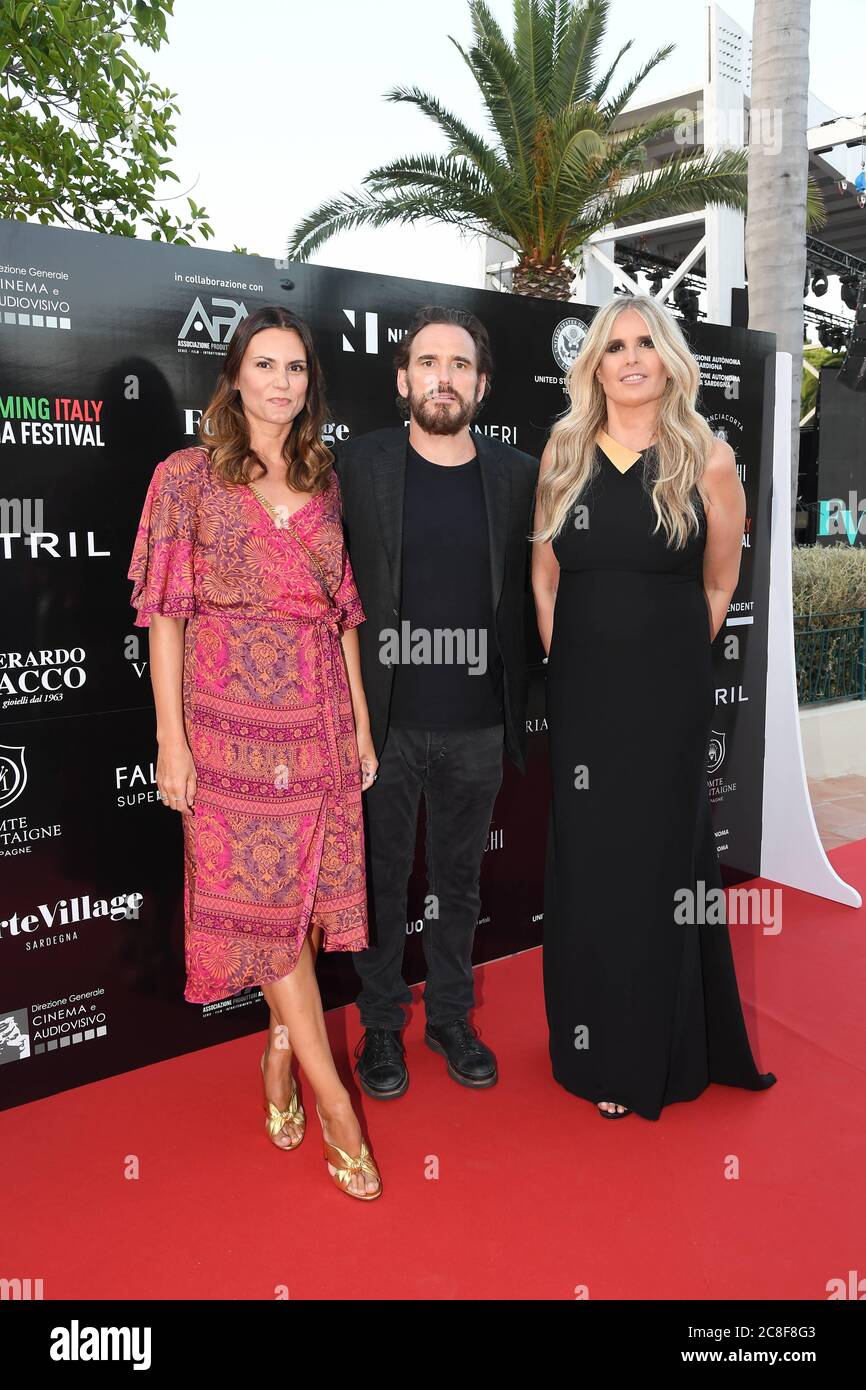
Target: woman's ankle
(335,1107)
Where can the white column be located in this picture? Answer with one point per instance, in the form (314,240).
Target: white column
(729,78)
(596,284)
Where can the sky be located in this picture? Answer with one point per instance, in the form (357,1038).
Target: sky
(281,105)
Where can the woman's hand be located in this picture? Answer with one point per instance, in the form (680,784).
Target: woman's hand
(175,777)
(367,756)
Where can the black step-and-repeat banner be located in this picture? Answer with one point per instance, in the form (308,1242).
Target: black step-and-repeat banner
(108,353)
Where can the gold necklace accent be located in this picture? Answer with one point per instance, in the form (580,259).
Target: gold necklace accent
(280,518)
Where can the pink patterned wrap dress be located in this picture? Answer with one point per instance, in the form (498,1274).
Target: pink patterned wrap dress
(276,841)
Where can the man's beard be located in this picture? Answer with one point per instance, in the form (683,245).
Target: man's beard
(440,417)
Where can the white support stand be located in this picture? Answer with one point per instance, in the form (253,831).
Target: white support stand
(791,849)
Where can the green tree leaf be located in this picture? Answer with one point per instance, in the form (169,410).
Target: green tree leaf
(81,122)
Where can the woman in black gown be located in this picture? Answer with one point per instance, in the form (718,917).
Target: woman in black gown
(643,1008)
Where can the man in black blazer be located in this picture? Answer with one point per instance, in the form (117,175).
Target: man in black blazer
(437,519)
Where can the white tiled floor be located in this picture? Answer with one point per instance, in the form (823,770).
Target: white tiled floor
(839,804)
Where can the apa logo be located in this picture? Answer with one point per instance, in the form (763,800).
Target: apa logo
(371,331)
(567,338)
(716,751)
(13,774)
(206,332)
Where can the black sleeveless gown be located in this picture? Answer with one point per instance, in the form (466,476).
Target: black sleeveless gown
(630,699)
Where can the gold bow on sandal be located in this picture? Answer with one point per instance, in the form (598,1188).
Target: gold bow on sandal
(277,1118)
(346,1167)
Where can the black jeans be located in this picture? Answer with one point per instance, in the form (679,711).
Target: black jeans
(459,773)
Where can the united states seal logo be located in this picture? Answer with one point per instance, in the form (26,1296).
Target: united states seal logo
(567,338)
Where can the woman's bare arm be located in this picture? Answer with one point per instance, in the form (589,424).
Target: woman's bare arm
(545,573)
(175,771)
(726,515)
(366,751)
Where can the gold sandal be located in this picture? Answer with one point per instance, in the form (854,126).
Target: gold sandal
(346,1167)
(277,1118)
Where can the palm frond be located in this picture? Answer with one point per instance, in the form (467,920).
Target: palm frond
(577,54)
(462,138)
(613,108)
(683,184)
(455,179)
(556,15)
(353,210)
(533,47)
(603,82)
(816,210)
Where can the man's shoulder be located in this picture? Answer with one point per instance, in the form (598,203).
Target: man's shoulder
(362,447)
(520,463)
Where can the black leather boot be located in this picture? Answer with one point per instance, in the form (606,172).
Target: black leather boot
(469,1062)
(381,1065)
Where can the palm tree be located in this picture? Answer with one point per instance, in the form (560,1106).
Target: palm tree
(555,171)
(778,219)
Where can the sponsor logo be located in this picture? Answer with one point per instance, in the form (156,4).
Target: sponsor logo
(69,912)
(740,614)
(14,1036)
(716,787)
(367,332)
(368,338)
(13,773)
(28,300)
(730,429)
(716,751)
(53,545)
(333,431)
(206,333)
(63,1022)
(731,695)
(17,836)
(506,433)
(136,785)
(68,420)
(37,678)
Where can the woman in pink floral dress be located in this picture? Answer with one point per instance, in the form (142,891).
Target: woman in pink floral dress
(240,571)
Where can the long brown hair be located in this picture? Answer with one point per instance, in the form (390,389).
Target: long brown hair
(224,430)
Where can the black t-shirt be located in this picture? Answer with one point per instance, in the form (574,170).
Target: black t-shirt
(446,619)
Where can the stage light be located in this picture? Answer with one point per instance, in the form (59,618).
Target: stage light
(820,283)
(849,288)
(686,300)
(824,336)
(656,283)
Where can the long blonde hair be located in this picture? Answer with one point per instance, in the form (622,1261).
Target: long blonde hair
(683,438)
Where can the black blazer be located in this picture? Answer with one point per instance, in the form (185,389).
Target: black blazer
(372,474)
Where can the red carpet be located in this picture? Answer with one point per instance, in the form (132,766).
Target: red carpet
(535,1195)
